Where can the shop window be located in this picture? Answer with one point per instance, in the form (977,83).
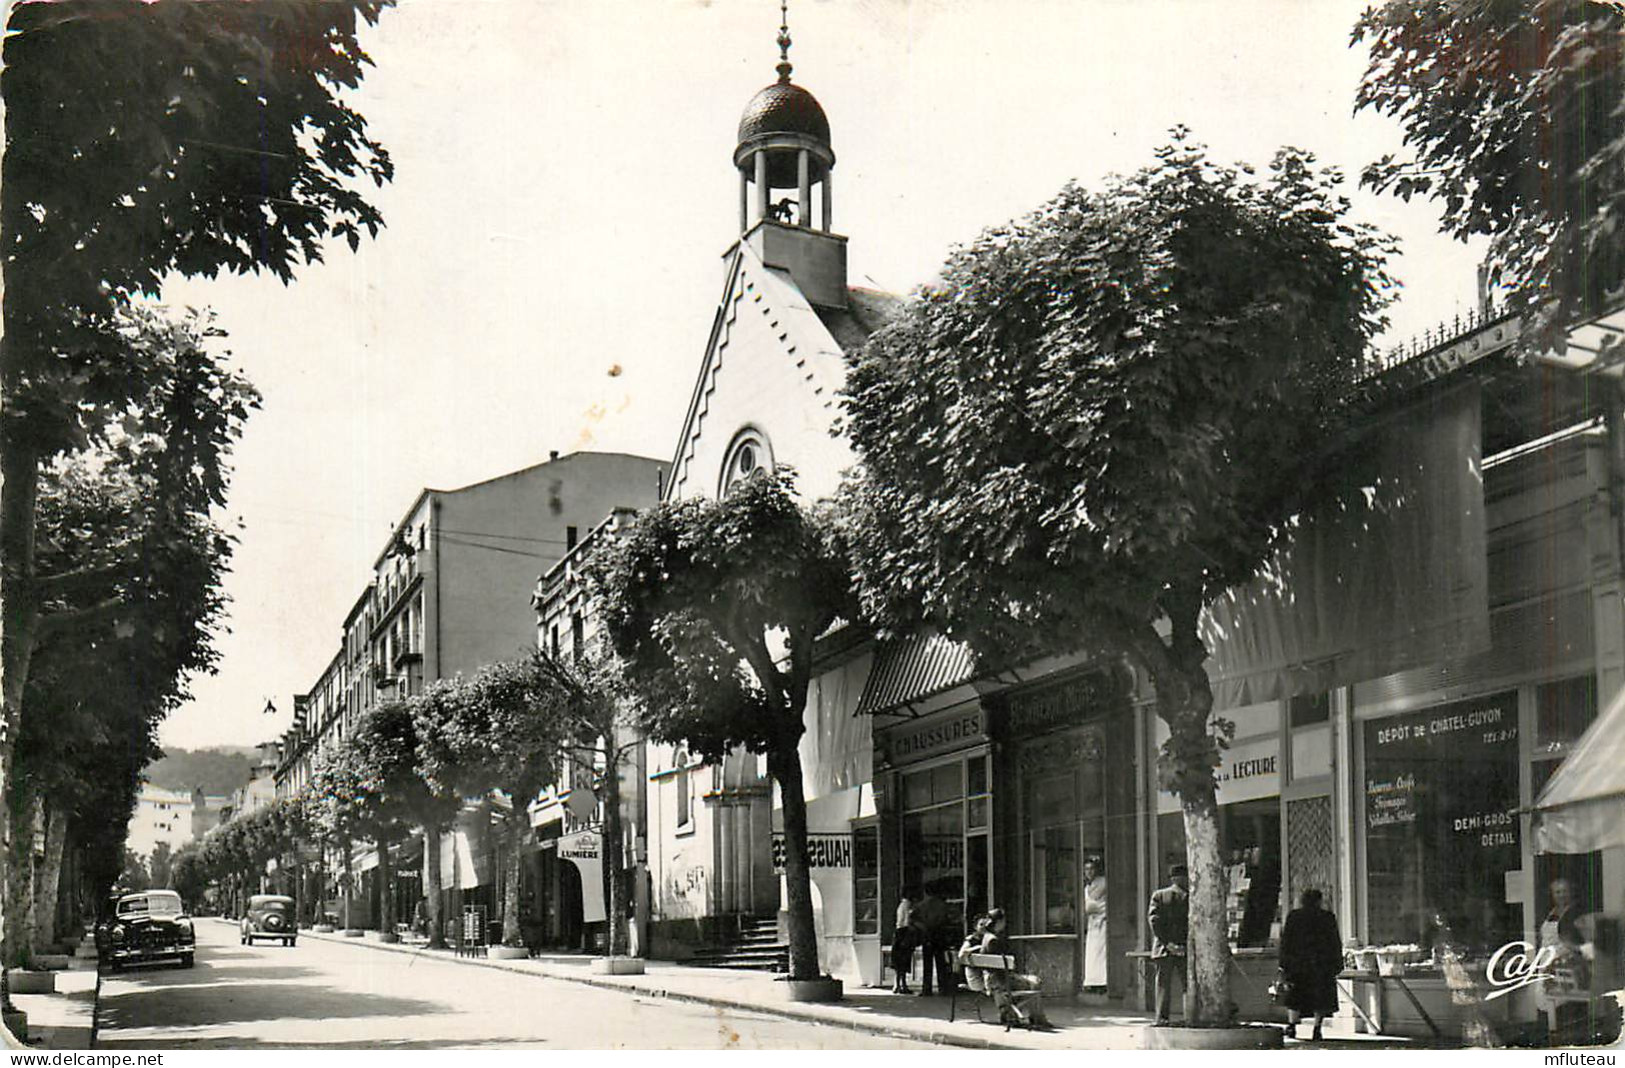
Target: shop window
(1055,863)
(978,875)
(1441,824)
(1310,708)
(1250,845)
(934,856)
(866,879)
(1563,711)
(976,772)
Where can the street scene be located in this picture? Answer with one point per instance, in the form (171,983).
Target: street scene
(329,995)
(494,553)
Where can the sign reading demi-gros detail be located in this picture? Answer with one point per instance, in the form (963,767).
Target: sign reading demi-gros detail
(938,734)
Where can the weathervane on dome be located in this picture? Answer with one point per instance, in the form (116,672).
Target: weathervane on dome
(784,41)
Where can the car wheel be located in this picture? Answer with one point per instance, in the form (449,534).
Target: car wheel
(187,960)
(114,966)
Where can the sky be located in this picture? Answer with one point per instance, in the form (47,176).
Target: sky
(564,192)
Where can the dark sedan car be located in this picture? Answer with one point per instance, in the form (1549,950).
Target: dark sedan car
(146,926)
(269,916)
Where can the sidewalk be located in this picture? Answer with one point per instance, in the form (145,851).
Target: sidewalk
(878,1011)
(65,1019)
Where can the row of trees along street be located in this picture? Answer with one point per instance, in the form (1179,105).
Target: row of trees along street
(143,140)
(1106,414)
(407,767)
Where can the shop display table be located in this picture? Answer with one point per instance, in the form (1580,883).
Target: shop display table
(1382,979)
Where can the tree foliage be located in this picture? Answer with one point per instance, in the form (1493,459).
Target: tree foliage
(713,608)
(1101,419)
(492,731)
(693,596)
(144,138)
(1514,119)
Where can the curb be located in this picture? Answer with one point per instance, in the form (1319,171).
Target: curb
(785,1011)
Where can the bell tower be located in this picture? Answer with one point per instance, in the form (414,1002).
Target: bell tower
(784,148)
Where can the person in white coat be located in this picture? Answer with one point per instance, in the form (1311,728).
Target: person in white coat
(1094,926)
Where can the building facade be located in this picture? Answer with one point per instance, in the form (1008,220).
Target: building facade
(1397,705)
(446,597)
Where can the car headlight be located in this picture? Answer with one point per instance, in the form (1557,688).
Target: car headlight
(118,932)
(183,925)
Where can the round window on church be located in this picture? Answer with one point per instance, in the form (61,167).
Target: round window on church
(748,454)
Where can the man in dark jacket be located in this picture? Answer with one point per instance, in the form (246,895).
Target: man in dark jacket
(1170,923)
(931,917)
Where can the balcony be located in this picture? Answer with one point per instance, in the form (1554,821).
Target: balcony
(407,653)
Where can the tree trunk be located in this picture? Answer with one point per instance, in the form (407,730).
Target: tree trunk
(344,890)
(431,887)
(1209,945)
(614,839)
(20,887)
(786,771)
(19,615)
(518,824)
(1186,766)
(46,903)
(386,892)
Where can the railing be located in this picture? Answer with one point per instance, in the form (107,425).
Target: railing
(1446,347)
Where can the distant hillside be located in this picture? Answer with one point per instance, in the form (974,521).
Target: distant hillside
(218,769)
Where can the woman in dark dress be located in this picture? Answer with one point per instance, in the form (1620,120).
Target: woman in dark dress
(1311,957)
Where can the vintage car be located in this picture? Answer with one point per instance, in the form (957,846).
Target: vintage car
(145,926)
(269,916)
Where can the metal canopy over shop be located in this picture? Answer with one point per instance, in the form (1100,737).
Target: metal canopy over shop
(914,669)
(1582,808)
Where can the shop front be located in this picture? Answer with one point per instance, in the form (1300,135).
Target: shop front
(934,832)
(1448,872)
(1065,851)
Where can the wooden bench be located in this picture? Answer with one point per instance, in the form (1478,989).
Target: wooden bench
(1001,964)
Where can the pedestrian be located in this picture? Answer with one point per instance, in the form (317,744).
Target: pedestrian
(930,921)
(1095,957)
(1565,994)
(1018,997)
(904,938)
(1311,957)
(1169,919)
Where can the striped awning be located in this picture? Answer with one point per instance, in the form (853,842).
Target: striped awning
(912,669)
(1582,807)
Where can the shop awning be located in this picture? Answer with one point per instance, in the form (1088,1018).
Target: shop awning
(912,669)
(1582,807)
(1387,572)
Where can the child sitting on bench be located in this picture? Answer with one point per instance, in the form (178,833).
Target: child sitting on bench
(1017,997)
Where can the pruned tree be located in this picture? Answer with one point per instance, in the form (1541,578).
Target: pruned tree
(337,805)
(490,731)
(133,602)
(144,139)
(594,709)
(1101,419)
(1514,120)
(712,607)
(385,747)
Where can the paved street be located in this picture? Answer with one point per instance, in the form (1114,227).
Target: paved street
(331,995)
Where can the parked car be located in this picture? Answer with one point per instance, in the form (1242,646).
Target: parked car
(147,926)
(269,916)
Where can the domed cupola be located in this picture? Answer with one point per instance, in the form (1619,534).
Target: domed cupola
(783,145)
